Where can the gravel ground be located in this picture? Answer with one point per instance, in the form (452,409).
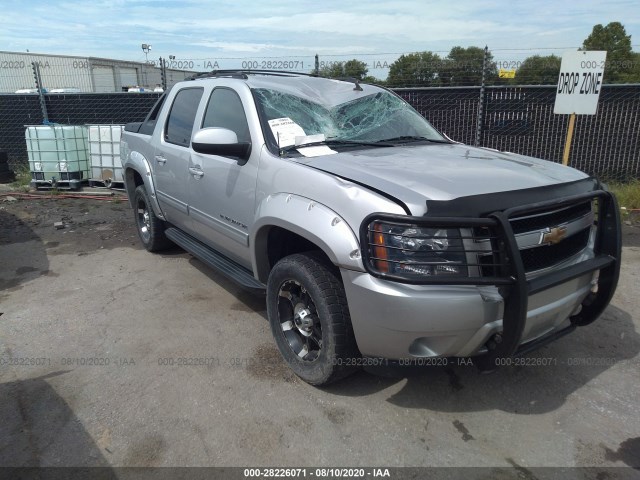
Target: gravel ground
(90,324)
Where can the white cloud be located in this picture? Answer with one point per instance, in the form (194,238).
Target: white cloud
(272,47)
(201,28)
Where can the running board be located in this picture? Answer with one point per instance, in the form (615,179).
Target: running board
(213,259)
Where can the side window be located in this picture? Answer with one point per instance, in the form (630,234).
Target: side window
(182,116)
(225,110)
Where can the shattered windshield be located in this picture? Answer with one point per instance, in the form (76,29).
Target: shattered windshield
(375,117)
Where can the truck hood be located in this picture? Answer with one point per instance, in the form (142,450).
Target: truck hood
(417,173)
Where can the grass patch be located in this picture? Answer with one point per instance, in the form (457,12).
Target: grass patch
(23,179)
(628,194)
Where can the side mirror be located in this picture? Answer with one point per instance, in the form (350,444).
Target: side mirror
(221,141)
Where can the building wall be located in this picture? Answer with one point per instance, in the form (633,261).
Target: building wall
(16,71)
(88,74)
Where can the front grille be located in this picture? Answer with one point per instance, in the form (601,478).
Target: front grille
(550,219)
(539,257)
(549,255)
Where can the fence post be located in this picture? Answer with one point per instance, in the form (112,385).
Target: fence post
(38,78)
(317,65)
(481,100)
(163,73)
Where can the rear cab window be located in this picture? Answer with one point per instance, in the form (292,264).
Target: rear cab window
(149,124)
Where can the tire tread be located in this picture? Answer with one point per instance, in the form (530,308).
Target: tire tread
(158,240)
(333,294)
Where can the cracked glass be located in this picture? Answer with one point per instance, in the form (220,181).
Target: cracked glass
(374,116)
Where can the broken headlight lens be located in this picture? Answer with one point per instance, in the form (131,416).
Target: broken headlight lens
(414,252)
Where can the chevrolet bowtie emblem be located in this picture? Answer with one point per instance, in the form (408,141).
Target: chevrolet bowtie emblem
(553,236)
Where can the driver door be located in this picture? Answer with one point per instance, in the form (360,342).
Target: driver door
(222,189)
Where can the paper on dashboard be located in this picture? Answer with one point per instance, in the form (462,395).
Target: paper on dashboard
(316,151)
(285,130)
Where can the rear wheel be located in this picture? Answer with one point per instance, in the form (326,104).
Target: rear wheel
(150,228)
(309,317)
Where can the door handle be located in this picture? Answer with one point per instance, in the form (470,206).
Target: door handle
(196,172)
(161,160)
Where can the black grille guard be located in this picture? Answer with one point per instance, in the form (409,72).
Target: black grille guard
(514,286)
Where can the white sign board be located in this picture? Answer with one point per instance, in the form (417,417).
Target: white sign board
(578,89)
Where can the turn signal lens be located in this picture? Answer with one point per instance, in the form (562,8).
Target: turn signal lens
(379,250)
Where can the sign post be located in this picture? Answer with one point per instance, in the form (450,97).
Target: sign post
(567,145)
(578,88)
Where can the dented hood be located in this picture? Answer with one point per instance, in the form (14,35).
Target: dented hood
(417,173)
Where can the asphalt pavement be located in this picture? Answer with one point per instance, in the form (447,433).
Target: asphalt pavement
(113,356)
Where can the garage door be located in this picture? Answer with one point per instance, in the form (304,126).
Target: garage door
(128,77)
(103,79)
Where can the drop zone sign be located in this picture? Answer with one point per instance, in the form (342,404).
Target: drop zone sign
(580,81)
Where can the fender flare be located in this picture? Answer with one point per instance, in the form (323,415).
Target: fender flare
(309,219)
(136,162)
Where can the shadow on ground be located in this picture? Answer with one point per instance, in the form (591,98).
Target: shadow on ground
(551,375)
(40,429)
(527,390)
(23,255)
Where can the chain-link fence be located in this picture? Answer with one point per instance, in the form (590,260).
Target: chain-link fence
(518,119)
(453,111)
(521,120)
(16,111)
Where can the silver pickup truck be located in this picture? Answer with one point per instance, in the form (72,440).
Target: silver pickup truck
(373,235)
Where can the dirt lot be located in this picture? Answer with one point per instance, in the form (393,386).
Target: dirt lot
(112,356)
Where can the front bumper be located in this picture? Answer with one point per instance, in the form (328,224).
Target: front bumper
(401,321)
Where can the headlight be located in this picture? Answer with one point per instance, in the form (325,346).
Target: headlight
(414,252)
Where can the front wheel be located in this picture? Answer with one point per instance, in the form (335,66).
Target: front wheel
(150,228)
(309,317)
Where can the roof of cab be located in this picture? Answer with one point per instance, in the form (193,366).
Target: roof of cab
(307,85)
(267,78)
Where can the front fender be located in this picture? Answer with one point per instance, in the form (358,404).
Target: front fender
(308,219)
(137,163)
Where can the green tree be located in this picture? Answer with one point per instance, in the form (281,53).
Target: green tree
(349,69)
(633,75)
(463,67)
(614,39)
(374,80)
(355,69)
(538,70)
(331,70)
(415,70)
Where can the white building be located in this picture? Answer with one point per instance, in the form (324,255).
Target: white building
(87,74)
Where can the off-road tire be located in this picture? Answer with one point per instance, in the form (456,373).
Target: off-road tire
(320,284)
(150,227)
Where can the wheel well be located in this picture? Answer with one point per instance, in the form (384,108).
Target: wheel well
(282,242)
(135,177)
(134,180)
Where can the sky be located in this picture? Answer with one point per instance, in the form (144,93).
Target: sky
(204,35)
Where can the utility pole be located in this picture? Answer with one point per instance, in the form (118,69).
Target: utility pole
(146,48)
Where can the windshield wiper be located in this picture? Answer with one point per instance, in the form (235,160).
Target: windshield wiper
(410,138)
(334,142)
